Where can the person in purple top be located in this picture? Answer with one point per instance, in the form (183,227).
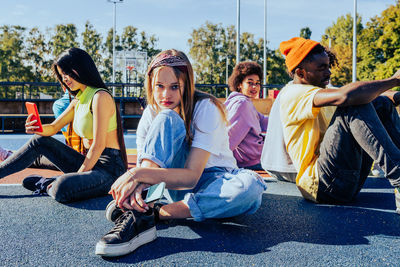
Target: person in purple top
(246,123)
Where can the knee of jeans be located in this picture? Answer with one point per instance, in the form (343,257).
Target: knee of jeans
(248,194)
(167,124)
(165,138)
(59,191)
(38,139)
(249,185)
(170,116)
(382,100)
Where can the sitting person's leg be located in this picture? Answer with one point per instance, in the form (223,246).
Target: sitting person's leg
(43,163)
(94,183)
(219,194)
(165,143)
(63,157)
(354,139)
(389,117)
(164,147)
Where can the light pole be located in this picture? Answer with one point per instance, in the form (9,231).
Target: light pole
(265,49)
(238,33)
(330,39)
(355,42)
(114,30)
(227,75)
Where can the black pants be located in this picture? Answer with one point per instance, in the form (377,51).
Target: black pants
(71,186)
(357,136)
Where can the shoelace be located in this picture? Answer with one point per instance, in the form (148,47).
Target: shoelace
(122,221)
(41,186)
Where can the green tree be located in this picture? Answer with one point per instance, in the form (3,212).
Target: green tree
(382,58)
(129,40)
(339,39)
(37,55)
(305,33)
(92,42)
(108,56)
(369,54)
(276,68)
(209,52)
(64,37)
(149,44)
(12,55)
(211,44)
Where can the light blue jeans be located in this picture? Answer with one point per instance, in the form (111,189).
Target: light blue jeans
(220,192)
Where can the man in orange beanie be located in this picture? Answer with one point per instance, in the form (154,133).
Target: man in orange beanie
(334,135)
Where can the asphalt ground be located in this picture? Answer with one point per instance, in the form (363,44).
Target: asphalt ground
(286,231)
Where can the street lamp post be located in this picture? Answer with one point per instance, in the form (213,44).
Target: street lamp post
(265,49)
(355,42)
(227,75)
(114,30)
(238,33)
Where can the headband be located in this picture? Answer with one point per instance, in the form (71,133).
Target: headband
(167,60)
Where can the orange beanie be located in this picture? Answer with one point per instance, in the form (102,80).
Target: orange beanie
(295,50)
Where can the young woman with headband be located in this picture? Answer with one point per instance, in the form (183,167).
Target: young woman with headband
(182,141)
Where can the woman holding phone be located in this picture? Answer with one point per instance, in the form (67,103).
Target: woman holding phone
(95,118)
(183,141)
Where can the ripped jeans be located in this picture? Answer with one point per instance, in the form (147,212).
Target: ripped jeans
(220,192)
(357,136)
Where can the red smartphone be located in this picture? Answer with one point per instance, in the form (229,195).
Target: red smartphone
(32,109)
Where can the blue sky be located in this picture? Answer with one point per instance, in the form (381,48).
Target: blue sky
(172,21)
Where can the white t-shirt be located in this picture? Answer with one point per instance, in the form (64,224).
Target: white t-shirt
(274,155)
(210,133)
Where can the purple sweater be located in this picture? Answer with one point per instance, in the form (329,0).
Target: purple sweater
(245,139)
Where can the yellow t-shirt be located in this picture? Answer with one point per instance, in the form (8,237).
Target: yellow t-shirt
(304,127)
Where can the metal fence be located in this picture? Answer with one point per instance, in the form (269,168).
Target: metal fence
(52,90)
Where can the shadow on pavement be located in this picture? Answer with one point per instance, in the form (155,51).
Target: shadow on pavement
(281,219)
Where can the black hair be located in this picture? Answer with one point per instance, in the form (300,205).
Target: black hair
(79,65)
(317,50)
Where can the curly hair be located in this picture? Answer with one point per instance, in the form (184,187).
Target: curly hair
(240,72)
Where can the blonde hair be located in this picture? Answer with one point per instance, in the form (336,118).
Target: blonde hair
(189,96)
